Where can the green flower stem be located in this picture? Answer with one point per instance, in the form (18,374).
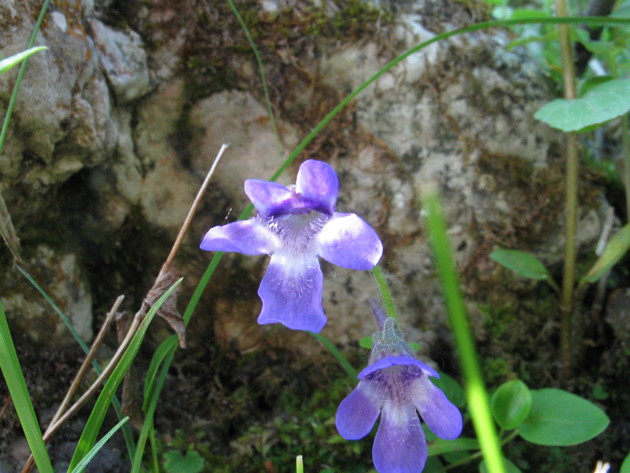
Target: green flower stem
(572,164)
(386,295)
(476,394)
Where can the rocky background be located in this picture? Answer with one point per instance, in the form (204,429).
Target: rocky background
(119,120)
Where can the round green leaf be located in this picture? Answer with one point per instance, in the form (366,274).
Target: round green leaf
(599,105)
(559,418)
(625,466)
(523,264)
(511,404)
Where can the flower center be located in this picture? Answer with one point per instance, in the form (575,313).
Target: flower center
(297,231)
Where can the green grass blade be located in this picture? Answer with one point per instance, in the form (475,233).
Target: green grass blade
(93,425)
(12,61)
(20,77)
(129,441)
(12,372)
(87,458)
(334,351)
(476,394)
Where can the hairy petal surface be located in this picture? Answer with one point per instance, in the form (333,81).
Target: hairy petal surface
(440,414)
(318,184)
(250,237)
(348,241)
(397,360)
(399,446)
(269,198)
(358,412)
(291,293)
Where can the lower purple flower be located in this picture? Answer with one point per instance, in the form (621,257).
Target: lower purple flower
(396,386)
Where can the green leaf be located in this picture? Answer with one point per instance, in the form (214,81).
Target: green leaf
(451,388)
(523,264)
(599,105)
(509,467)
(511,404)
(462,444)
(175,462)
(625,466)
(559,418)
(12,61)
(618,246)
(96,448)
(366,342)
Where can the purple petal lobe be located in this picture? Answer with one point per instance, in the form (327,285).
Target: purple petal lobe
(291,293)
(442,416)
(250,237)
(348,241)
(270,198)
(399,360)
(399,446)
(317,182)
(358,412)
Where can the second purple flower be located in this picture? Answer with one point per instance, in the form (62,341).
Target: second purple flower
(295,225)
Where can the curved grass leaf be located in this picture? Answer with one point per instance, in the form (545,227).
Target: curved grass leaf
(618,246)
(12,372)
(511,404)
(94,422)
(559,418)
(599,105)
(12,61)
(87,458)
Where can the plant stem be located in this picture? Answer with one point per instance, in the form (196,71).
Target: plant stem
(572,165)
(625,140)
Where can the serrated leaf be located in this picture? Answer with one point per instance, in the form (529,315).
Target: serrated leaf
(509,467)
(12,61)
(511,404)
(599,105)
(175,462)
(523,264)
(559,418)
(618,246)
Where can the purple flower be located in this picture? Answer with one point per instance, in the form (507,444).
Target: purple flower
(396,386)
(295,225)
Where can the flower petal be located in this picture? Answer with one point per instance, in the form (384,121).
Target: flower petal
(358,412)
(270,198)
(399,446)
(348,241)
(317,182)
(397,360)
(291,292)
(442,416)
(250,237)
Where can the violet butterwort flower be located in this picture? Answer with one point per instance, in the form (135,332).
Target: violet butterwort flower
(295,225)
(396,386)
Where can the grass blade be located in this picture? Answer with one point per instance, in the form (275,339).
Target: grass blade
(93,425)
(12,372)
(476,394)
(87,458)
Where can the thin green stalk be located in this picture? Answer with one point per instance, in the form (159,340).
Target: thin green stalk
(567,301)
(625,140)
(334,351)
(20,76)
(476,393)
(12,372)
(386,295)
(261,68)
